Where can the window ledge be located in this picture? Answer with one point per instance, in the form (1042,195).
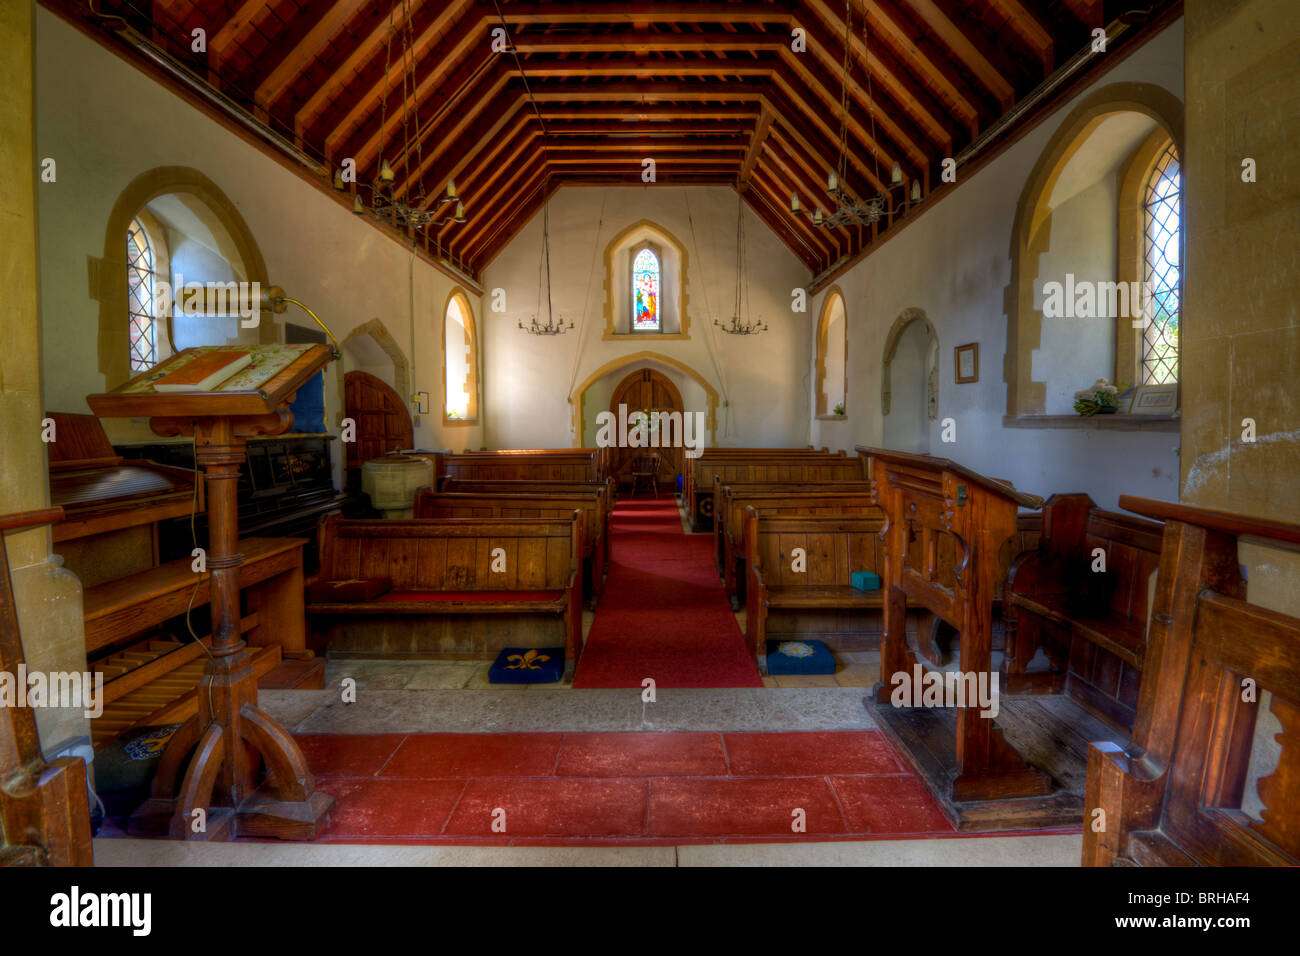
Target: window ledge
(832,418)
(1121,423)
(661,336)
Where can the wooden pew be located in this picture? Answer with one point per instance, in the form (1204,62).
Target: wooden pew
(736,454)
(431,504)
(572,465)
(773,499)
(797,467)
(834,545)
(441,571)
(1090,624)
(601,454)
(1174,796)
(602,490)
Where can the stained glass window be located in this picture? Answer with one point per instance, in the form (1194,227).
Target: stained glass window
(139,298)
(645,292)
(1162,225)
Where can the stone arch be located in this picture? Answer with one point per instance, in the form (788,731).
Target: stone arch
(108,276)
(666,240)
(576,397)
(1031,229)
(376,329)
(906,318)
(822,404)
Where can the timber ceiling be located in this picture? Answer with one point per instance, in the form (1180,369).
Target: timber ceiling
(712,91)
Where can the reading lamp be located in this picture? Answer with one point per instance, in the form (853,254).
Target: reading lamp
(275,300)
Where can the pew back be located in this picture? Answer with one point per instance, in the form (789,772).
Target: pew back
(1175,796)
(452,554)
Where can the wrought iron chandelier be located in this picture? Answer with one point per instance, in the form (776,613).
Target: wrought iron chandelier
(737,325)
(552,326)
(412,210)
(848,210)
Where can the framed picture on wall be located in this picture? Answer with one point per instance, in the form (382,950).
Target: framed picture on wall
(1155,400)
(968,363)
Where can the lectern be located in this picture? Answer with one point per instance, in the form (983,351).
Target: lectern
(245,774)
(946,527)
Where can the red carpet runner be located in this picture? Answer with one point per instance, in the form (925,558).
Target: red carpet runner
(618,788)
(664,614)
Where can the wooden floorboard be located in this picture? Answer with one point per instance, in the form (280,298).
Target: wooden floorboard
(1051,732)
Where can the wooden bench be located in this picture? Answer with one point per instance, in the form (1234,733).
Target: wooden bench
(740,454)
(1176,794)
(776,467)
(431,504)
(602,456)
(442,571)
(573,465)
(834,546)
(773,499)
(602,490)
(1088,619)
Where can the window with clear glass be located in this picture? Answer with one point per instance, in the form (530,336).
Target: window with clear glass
(143,325)
(645,291)
(1162,228)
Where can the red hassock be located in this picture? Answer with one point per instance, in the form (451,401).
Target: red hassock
(664,614)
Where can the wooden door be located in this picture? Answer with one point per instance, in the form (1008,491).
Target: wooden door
(383,423)
(651,391)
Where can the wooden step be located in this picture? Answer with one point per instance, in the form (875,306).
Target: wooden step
(296,675)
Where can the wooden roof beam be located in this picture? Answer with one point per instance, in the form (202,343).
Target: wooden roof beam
(362,74)
(1032,30)
(783,230)
(831,244)
(309,31)
(755,149)
(942,17)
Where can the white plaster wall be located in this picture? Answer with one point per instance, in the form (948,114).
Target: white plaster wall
(105,123)
(954,263)
(761,378)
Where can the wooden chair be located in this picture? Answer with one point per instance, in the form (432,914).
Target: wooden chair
(646,468)
(1174,796)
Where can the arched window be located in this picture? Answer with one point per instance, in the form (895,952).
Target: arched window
(460,361)
(1162,219)
(645,291)
(143,324)
(832,357)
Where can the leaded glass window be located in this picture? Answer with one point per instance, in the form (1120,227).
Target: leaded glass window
(1162,226)
(645,291)
(143,328)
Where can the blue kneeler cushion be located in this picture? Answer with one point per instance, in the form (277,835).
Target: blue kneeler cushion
(865,581)
(799,657)
(528,665)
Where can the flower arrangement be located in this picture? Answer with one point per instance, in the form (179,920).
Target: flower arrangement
(1101,397)
(839,409)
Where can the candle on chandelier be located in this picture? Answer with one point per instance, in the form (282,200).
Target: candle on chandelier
(794,202)
(831,183)
(817,217)
(451,189)
(916,190)
(896,175)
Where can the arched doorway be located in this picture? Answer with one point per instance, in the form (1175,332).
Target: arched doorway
(909,397)
(383,423)
(649,391)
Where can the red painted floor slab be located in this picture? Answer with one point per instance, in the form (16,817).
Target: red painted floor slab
(427,756)
(641,755)
(552,807)
(893,805)
(409,809)
(619,788)
(809,754)
(759,807)
(348,755)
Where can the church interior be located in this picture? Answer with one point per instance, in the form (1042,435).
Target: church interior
(836,487)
